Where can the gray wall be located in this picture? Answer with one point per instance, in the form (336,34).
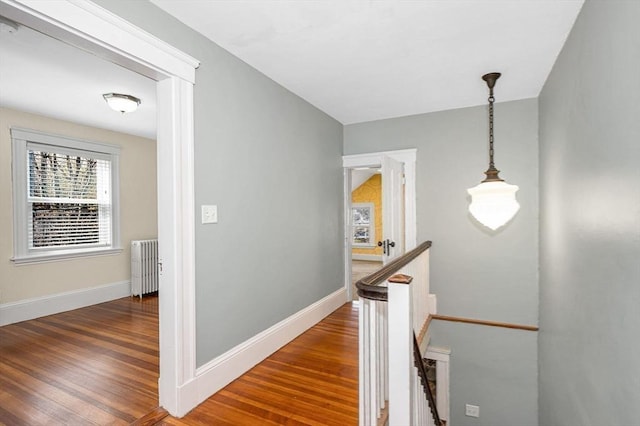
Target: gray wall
(475,272)
(272,164)
(589,348)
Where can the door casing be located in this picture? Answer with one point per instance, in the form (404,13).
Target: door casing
(374,159)
(97,30)
(392,208)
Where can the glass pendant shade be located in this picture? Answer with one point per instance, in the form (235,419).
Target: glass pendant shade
(493,203)
(121,103)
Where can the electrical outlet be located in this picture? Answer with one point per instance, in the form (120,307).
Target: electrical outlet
(209,214)
(472,410)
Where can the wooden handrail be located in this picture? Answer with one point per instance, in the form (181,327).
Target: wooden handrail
(369,286)
(485,322)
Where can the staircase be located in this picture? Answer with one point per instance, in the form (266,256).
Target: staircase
(395,312)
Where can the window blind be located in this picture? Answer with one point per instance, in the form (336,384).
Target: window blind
(69,198)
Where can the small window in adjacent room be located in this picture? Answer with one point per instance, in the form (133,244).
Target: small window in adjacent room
(362,225)
(65,197)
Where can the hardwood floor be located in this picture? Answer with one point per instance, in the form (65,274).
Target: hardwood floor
(311,381)
(99,366)
(91,366)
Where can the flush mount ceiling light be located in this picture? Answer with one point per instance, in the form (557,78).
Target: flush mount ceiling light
(122,103)
(493,201)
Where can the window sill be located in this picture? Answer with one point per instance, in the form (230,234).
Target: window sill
(67,255)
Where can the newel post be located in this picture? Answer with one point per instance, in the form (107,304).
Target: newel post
(401,355)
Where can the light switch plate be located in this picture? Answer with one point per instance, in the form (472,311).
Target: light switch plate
(209,214)
(472,410)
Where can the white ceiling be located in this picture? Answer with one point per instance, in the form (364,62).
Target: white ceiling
(357,60)
(41,75)
(363,60)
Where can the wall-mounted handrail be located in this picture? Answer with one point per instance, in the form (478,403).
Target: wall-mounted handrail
(369,287)
(485,322)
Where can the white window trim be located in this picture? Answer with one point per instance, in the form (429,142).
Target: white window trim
(372,225)
(21,252)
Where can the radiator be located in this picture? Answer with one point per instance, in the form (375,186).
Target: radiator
(144,267)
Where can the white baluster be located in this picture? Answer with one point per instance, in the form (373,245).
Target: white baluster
(374,411)
(363,340)
(401,354)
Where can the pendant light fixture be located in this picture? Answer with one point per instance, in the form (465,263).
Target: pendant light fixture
(493,201)
(121,103)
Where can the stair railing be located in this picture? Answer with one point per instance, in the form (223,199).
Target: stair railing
(421,371)
(395,306)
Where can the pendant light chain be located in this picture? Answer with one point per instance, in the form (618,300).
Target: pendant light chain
(493,201)
(491,100)
(492,172)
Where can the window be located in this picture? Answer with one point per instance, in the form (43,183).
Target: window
(65,197)
(362,225)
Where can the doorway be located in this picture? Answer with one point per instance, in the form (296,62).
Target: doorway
(85,24)
(366,231)
(32,84)
(397,231)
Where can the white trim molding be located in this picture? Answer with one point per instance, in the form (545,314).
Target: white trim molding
(176,244)
(25,141)
(84,24)
(37,307)
(372,159)
(222,370)
(367,257)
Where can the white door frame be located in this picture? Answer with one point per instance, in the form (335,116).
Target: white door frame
(83,23)
(392,207)
(374,159)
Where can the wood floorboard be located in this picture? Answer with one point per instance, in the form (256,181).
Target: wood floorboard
(311,381)
(99,366)
(91,366)
(152,417)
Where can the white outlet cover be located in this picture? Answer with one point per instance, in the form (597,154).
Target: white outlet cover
(209,214)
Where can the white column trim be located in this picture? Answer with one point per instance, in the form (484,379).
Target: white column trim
(346,203)
(176,233)
(410,215)
(400,318)
(95,29)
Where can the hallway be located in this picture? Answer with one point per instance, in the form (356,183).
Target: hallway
(99,365)
(313,380)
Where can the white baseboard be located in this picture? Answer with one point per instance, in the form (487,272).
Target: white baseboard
(27,309)
(369,257)
(221,371)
